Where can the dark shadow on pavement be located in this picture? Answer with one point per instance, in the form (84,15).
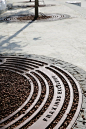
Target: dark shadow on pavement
(14,35)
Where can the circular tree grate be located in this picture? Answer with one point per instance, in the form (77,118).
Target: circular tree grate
(50,97)
(31,17)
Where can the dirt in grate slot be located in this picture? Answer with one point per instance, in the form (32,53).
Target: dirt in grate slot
(48,101)
(65,104)
(32,17)
(75,100)
(22,111)
(25,60)
(26,18)
(14,90)
(36,105)
(74,105)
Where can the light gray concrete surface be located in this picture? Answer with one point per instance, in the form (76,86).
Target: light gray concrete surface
(62,39)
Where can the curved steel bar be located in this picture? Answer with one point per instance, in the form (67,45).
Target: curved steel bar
(80,99)
(23,63)
(44,124)
(39,63)
(22,68)
(42,67)
(40,107)
(70,102)
(14,69)
(33,104)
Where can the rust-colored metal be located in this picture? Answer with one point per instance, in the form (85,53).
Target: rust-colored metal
(60,110)
(31,17)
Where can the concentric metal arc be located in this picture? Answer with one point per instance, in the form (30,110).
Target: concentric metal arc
(57,108)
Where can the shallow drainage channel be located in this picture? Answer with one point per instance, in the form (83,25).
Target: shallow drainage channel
(40,95)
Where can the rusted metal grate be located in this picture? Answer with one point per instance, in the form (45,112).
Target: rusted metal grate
(30,17)
(53,98)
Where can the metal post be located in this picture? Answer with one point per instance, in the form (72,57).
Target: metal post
(36,9)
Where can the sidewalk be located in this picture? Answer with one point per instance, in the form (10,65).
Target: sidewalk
(62,39)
